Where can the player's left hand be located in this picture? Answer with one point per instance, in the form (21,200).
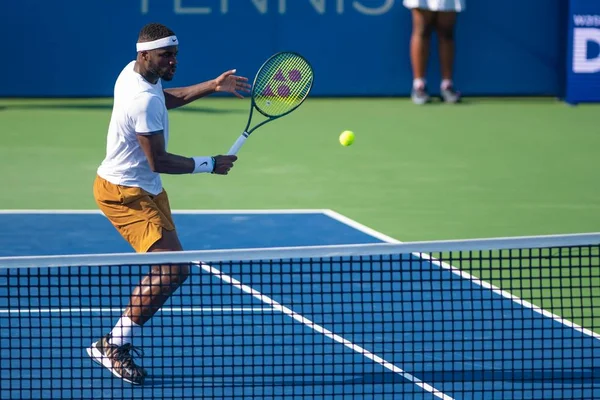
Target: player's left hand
(230,83)
(223,164)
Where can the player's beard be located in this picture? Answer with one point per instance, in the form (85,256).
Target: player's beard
(168,76)
(165,75)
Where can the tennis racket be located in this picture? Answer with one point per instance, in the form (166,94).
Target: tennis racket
(281,84)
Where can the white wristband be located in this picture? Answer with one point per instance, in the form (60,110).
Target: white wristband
(203,164)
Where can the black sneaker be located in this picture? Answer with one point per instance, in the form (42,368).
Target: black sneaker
(449,95)
(118,360)
(420,96)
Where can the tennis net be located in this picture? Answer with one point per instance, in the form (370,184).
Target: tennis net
(488,318)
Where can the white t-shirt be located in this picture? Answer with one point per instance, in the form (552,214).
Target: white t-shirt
(436,5)
(139,107)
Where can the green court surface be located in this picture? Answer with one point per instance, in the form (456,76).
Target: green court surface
(486,168)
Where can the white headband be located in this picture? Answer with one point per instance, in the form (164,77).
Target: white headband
(157,44)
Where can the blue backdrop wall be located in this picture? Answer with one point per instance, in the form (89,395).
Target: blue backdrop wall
(357,47)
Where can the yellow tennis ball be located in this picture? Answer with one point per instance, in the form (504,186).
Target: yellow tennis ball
(347,138)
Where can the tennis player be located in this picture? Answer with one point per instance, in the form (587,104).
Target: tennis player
(128,186)
(427,16)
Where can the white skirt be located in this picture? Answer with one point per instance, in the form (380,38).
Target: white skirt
(436,5)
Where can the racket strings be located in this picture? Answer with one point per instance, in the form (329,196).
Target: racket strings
(282,84)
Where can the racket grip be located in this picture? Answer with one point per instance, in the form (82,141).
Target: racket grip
(238,144)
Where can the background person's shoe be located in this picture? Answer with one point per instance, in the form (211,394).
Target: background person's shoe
(449,95)
(419,96)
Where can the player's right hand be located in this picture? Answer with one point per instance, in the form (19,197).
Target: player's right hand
(223,164)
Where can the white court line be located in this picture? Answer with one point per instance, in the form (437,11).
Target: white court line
(207,212)
(108,310)
(326,332)
(510,296)
(360,227)
(466,275)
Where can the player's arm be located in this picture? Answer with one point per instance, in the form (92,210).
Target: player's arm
(147,113)
(153,145)
(226,82)
(177,97)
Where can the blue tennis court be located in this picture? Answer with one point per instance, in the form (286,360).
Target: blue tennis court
(370,328)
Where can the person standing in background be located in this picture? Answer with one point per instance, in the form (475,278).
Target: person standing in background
(427,16)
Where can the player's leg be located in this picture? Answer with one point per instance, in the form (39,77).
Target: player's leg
(147,298)
(163,280)
(156,287)
(445,26)
(145,221)
(422,26)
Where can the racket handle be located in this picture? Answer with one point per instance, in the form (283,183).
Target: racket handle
(238,144)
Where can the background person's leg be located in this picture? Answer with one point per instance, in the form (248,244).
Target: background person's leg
(423,23)
(445,26)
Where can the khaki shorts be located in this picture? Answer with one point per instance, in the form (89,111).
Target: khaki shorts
(138,215)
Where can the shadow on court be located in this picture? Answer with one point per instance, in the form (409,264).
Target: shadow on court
(575,375)
(260,380)
(590,376)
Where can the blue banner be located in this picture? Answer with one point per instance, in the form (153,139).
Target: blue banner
(583,73)
(357,47)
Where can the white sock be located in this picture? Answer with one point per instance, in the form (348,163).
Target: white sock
(418,83)
(446,83)
(123,331)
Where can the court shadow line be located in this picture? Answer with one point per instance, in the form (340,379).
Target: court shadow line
(589,376)
(555,375)
(259,380)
